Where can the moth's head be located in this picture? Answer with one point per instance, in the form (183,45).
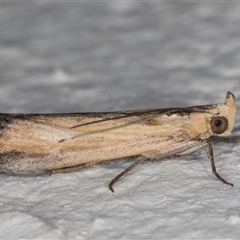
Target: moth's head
(222,122)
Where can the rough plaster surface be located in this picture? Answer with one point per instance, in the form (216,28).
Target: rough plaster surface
(103,56)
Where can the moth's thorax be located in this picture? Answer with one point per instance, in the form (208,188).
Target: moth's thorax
(198,123)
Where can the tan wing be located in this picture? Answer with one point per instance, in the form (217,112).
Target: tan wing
(32,143)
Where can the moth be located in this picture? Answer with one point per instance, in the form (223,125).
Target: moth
(31,143)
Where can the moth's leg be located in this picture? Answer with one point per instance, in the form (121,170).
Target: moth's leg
(71,169)
(139,160)
(210,156)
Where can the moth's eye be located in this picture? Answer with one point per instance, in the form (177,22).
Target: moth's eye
(219,124)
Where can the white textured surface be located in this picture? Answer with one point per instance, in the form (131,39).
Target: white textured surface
(68,57)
